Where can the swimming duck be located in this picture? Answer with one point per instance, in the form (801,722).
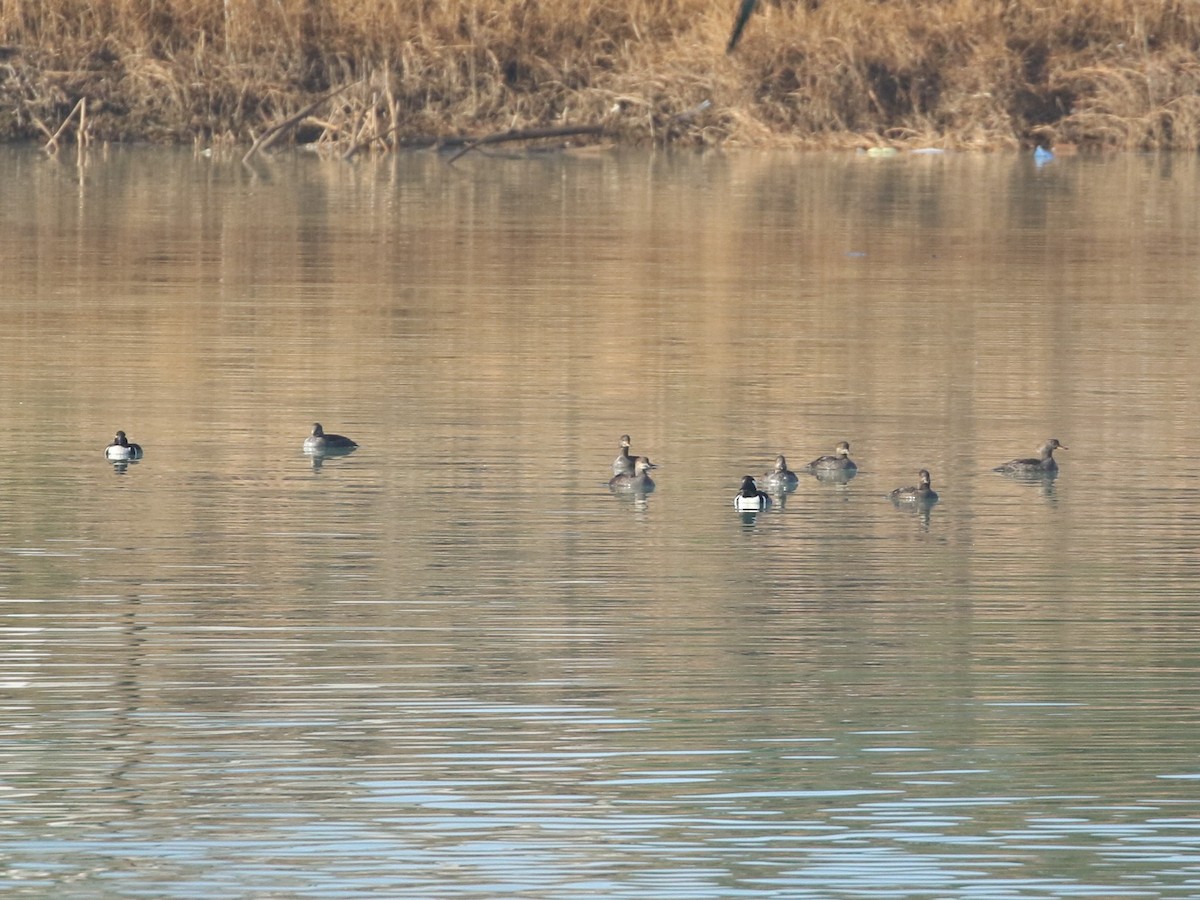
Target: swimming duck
(839,462)
(320,442)
(625,464)
(750,498)
(120,448)
(638,481)
(1044,463)
(781,478)
(922,493)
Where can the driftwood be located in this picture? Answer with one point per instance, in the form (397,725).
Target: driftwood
(357,144)
(526,134)
(80,108)
(272,134)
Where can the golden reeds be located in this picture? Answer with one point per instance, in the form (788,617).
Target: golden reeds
(955,73)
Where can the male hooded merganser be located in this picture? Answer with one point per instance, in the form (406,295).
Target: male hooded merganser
(120,448)
(750,498)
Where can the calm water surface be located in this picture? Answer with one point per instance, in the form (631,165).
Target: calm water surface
(454,664)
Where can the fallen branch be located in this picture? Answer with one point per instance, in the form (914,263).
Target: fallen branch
(526,134)
(52,144)
(83,141)
(272,134)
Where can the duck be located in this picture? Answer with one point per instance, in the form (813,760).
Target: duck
(122,449)
(1044,463)
(781,477)
(839,462)
(750,498)
(922,493)
(320,442)
(625,464)
(639,480)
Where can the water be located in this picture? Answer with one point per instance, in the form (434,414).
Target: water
(454,664)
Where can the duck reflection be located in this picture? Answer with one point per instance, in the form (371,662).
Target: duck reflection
(1043,480)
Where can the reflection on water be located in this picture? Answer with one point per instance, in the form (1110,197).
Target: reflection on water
(455,663)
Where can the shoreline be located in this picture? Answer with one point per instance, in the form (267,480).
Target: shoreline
(805,75)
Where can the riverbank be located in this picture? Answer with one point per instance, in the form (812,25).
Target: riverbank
(368,74)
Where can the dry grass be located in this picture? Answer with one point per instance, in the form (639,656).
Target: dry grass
(952,73)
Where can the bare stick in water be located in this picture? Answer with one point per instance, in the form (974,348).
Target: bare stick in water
(52,144)
(526,134)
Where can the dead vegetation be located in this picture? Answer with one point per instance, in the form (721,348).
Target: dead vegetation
(947,73)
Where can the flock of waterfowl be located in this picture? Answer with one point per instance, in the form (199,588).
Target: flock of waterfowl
(632,473)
